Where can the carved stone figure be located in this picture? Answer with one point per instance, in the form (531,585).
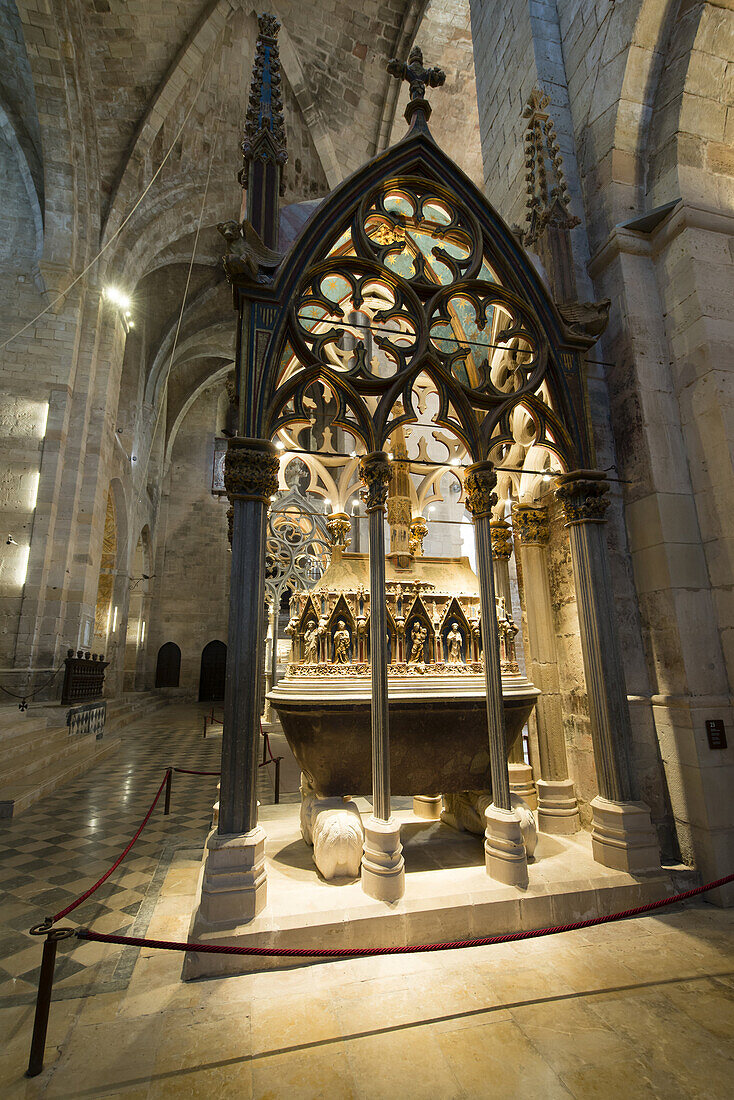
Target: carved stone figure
(342,639)
(417,641)
(455,640)
(334,827)
(311,639)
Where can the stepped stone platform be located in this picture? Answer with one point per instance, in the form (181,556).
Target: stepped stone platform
(39,754)
(448,895)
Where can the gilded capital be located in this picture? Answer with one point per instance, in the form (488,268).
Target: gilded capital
(582,495)
(375,471)
(418,531)
(479,483)
(339,525)
(501,540)
(251,469)
(530,524)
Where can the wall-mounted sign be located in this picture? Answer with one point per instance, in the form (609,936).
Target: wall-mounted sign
(716,733)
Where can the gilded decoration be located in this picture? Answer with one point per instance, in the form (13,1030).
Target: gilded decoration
(501,540)
(418,531)
(251,470)
(583,497)
(376,473)
(339,525)
(531,524)
(479,484)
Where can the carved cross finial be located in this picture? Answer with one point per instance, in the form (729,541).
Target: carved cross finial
(418,78)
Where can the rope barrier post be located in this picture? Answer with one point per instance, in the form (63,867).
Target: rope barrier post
(277,780)
(167,804)
(265,745)
(43,997)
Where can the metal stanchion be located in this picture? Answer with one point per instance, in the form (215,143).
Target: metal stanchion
(277,780)
(167,804)
(45,989)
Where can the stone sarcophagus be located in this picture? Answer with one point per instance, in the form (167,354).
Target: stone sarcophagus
(436,686)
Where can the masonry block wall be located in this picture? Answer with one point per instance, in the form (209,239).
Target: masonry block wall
(640,96)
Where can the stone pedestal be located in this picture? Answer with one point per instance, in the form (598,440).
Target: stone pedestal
(504,848)
(383,866)
(558,809)
(521,783)
(623,837)
(428,806)
(234,883)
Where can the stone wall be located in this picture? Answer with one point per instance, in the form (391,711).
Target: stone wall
(190,598)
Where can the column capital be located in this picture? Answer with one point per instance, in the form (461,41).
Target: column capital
(251,469)
(375,471)
(582,494)
(501,540)
(531,524)
(479,483)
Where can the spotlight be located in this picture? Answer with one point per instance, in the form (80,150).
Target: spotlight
(389,455)
(280,446)
(455,462)
(10,541)
(117,297)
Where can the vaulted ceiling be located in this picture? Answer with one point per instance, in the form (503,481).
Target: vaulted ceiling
(128,117)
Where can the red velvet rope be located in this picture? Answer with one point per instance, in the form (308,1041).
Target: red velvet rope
(359,952)
(186,771)
(118,861)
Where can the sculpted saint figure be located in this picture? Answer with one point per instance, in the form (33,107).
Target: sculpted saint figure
(311,638)
(455,639)
(342,638)
(417,641)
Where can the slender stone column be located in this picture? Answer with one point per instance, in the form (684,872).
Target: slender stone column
(504,848)
(521,774)
(622,834)
(383,867)
(557,806)
(234,887)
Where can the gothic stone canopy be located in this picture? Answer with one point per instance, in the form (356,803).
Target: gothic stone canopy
(406,283)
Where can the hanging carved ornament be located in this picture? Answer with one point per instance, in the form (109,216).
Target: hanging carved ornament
(418,531)
(583,499)
(547,199)
(339,525)
(530,524)
(375,471)
(479,483)
(501,540)
(250,473)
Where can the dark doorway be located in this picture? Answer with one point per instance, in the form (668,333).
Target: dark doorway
(168,666)
(213,669)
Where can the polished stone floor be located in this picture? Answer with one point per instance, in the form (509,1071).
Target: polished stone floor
(637,1009)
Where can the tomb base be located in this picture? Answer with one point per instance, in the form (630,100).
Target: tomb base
(448,895)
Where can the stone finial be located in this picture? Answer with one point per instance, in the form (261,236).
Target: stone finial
(582,495)
(479,483)
(264,121)
(251,469)
(547,191)
(418,79)
(375,471)
(531,524)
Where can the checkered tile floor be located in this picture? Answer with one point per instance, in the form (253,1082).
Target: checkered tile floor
(53,852)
